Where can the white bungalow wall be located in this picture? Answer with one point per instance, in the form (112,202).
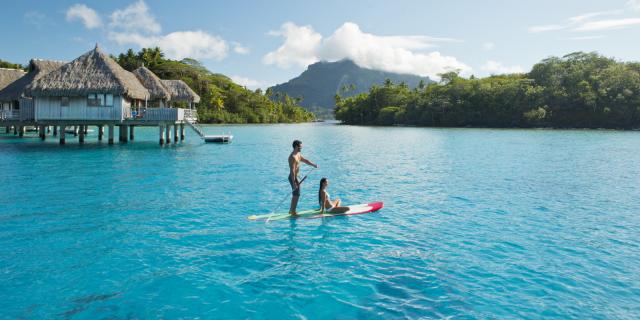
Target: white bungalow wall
(49,108)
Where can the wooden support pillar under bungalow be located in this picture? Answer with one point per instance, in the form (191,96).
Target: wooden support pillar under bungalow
(168,135)
(100,132)
(111,134)
(131,136)
(81,135)
(62,133)
(161,134)
(55,131)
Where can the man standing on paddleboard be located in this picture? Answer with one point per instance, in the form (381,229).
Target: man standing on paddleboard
(294,167)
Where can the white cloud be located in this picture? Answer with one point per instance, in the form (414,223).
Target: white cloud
(244,81)
(402,54)
(88,16)
(488,46)
(240,49)
(178,45)
(633,5)
(134,25)
(495,67)
(299,47)
(611,24)
(135,17)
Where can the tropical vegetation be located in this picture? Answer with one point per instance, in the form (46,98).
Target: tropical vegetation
(222,100)
(579,90)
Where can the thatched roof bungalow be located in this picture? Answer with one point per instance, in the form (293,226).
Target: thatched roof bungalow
(91,87)
(159,94)
(180,92)
(7,76)
(14,95)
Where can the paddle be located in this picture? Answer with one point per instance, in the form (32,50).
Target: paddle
(287,196)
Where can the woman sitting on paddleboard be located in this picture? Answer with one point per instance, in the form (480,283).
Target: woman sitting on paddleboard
(325,201)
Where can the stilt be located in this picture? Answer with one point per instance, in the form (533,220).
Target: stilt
(86,129)
(75,131)
(182,132)
(81,134)
(111,134)
(131,133)
(161,134)
(15,130)
(100,132)
(43,132)
(175,133)
(62,135)
(55,131)
(21,131)
(168,134)
(48,129)
(6,129)
(123,134)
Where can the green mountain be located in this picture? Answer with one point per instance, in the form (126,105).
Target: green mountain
(318,85)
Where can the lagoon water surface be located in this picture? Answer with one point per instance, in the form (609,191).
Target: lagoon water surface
(478,223)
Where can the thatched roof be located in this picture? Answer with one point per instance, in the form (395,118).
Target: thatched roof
(92,72)
(9,75)
(150,81)
(180,91)
(37,69)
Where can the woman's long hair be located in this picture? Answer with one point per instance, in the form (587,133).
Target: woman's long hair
(322,182)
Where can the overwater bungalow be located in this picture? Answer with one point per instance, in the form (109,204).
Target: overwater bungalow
(7,76)
(182,94)
(17,105)
(93,90)
(159,95)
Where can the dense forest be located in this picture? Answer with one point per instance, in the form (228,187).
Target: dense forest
(579,90)
(222,101)
(9,65)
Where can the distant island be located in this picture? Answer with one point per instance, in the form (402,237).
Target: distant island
(579,90)
(322,81)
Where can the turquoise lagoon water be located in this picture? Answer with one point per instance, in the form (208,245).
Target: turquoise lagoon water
(477,223)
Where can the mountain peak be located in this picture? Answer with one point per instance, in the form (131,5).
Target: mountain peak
(323,79)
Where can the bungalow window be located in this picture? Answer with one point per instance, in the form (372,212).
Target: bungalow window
(100,100)
(64,101)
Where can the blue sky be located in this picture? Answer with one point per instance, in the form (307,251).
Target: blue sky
(261,43)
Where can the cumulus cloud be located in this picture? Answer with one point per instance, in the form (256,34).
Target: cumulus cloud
(247,82)
(402,54)
(178,45)
(135,17)
(86,15)
(299,48)
(135,25)
(495,67)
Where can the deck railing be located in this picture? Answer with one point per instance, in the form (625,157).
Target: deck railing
(167,114)
(9,114)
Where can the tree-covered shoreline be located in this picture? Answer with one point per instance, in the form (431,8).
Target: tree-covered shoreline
(222,100)
(579,90)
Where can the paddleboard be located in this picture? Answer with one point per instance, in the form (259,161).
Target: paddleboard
(314,214)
